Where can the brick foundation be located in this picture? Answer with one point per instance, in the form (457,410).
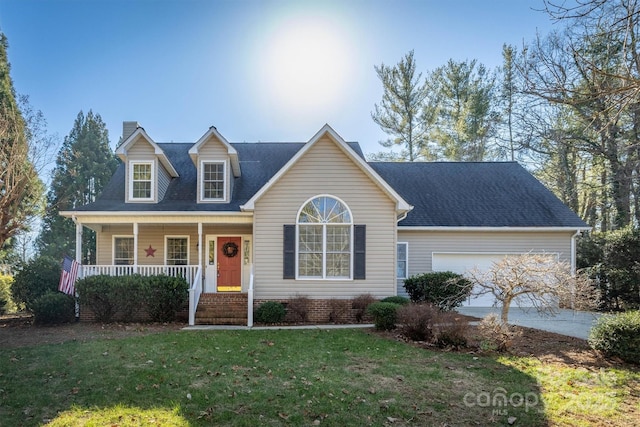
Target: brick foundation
(323,311)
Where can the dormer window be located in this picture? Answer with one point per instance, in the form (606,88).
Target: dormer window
(141,183)
(213,185)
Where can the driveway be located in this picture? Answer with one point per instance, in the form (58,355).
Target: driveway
(566,322)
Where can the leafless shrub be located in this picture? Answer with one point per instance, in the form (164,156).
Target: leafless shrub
(338,310)
(416,321)
(451,330)
(360,304)
(298,308)
(495,335)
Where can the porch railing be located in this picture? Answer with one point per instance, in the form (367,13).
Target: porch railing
(195,290)
(187,271)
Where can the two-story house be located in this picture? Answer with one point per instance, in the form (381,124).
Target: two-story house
(250,222)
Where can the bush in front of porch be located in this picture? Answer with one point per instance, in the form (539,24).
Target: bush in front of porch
(133,298)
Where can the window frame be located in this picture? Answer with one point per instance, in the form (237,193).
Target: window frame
(113,248)
(324,251)
(225,179)
(166,248)
(152,180)
(406,260)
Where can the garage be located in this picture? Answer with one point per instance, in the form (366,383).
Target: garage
(463,262)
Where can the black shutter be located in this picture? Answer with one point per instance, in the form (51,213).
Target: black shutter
(289,252)
(359,251)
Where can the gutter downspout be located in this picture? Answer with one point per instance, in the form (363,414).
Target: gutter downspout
(79,261)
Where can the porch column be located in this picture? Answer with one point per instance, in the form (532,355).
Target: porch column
(200,244)
(135,247)
(78,242)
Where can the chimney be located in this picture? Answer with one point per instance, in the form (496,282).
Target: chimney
(128,128)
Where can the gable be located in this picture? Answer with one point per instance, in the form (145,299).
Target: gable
(327,135)
(324,169)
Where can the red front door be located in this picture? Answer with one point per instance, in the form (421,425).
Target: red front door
(229,264)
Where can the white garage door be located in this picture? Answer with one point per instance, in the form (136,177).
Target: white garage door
(462,262)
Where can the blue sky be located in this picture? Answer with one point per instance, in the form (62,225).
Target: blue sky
(257,70)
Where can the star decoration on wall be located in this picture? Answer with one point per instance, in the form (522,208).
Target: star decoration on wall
(150,251)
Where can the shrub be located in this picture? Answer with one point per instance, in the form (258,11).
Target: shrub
(495,335)
(397,300)
(54,307)
(384,315)
(6,302)
(618,335)
(446,290)
(338,310)
(298,306)
(164,296)
(96,293)
(416,321)
(451,331)
(125,298)
(360,303)
(270,312)
(35,279)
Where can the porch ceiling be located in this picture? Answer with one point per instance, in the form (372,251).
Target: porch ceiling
(163,218)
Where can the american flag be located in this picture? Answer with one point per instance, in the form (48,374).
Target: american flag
(69,276)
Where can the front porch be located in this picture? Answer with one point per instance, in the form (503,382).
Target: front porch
(211,308)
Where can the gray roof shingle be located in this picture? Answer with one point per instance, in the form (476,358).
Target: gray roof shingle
(491,194)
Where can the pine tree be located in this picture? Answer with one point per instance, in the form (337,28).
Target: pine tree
(84,166)
(466,117)
(21,189)
(401,112)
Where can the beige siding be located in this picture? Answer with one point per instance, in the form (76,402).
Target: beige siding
(154,235)
(324,169)
(163,181)
(422,245)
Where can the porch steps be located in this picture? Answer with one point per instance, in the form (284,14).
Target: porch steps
(222,309)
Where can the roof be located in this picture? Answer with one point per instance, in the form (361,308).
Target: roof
(443,194)
(472,194)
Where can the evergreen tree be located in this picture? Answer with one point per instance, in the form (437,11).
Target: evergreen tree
(84,166)
(21,189)
(466,118)
(400,113)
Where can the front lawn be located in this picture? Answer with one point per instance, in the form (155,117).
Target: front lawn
(293,377)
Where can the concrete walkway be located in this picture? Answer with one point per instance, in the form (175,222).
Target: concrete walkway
(267,328)
(566,322)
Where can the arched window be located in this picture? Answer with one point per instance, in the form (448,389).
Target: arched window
(325,239)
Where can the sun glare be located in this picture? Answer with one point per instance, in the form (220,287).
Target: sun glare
(308,65)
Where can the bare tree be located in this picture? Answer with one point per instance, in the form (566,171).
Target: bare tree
(535,280)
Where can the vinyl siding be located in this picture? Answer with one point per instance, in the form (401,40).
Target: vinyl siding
(324,170)
(422,245)
(163,181)
(154,235)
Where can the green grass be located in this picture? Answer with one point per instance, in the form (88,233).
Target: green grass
(248,378)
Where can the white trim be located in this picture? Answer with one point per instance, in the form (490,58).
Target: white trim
(121,151)
(194,151)
(225,179)
(166,247)
(113,247)
(215,237)
(154,181)
(492,229)
(406,260)
(401,204)
(155,213)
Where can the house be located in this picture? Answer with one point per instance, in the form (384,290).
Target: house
(251,222)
